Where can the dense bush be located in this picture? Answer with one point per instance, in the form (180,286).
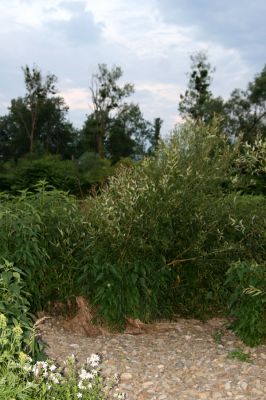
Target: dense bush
(15,305)
(42,233)
(247,302)
(74,176)
(62,174)
(163,234)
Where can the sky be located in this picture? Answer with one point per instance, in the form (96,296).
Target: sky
(151,40)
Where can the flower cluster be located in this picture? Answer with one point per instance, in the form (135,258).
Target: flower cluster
(120,396)
(88,374)
(47,372)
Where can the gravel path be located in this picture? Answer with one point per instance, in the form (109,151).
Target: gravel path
(185,360)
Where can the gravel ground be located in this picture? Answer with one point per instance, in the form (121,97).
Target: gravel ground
(184,360)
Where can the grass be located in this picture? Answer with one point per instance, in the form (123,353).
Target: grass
(238,354)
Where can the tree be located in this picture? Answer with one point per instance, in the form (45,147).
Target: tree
(157,125)
(107,99)
(8,135)
(39,119)
(88,135)
(37,91)
(129,134)
(198,102)
(54,132)
(246,110)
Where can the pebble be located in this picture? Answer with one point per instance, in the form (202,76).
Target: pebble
(227,386)
(243,385)
(125,376)
(168,365)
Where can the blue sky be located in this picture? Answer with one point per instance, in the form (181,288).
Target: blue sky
(150,39)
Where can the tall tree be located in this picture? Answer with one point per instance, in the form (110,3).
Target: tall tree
(246,109)
(107,99)
(39,119)
(37,91)
(156,136)
(129,134)
(198,102)
(88,135)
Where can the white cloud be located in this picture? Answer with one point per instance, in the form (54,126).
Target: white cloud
(77,98)
(59,36)
(20,15)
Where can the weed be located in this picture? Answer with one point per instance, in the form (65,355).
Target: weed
(217,336)
(238,354)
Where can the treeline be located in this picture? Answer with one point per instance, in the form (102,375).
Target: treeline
(37,140)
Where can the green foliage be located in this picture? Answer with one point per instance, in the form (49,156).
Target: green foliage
(42,233)
(60,174)
(129,134)
(107,98)
(163,233)
(246,110)
(198,102)
(15,306)
(238,354)
(217,336)
(93,170)
(247,303)
(21,379)
(76,177)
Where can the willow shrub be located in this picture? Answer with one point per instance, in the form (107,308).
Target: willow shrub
(247,302)
(41,233)
(163,233)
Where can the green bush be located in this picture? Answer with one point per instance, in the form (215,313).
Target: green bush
(163,233)
(15,305)
(247,303)
(93,171)
(42,233)
(61,174)
(74,176)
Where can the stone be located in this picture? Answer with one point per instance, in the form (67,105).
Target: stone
(243,385)
(227,386)
(147,384)
(125,376)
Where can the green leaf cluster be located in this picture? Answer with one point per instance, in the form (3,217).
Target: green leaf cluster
(247,302)
(41,232)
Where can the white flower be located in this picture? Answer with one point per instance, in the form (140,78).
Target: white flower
(53,368)
(120,396)
(79,395)
(94,372)
(93,360)
(55,379)
(80,385)
(27,368)
(85,375)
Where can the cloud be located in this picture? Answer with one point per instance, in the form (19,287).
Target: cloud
(77,98)
(150,39)
(238,24)
(79,28)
